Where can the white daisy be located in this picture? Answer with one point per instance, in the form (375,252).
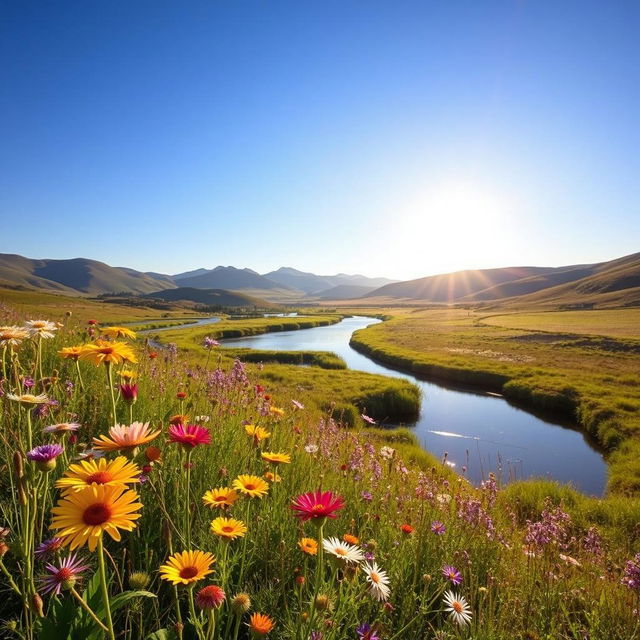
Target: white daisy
(458,608)
(41,328)
(379,581)
(387,452)
(28,398)
(12,336)
(62,427)
(311,448)
(347,553)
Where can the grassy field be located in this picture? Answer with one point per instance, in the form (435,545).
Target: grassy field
(592,379)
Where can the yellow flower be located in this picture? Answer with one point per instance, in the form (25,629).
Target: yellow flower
(308,546)
(71,353)
(270,476)
(228,528)
(222,497)
(126,438)
(118,332)
(83,516)
(276,458)
(251,485)
(115,473)
(128,375)
(101,351)
(347,537)
(260,624)
(257,433)
(187,567)
(276,411)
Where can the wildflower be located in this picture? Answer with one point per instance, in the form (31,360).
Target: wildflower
(129,392)
(378,580)
(49,546)
(92,322)
(366,496)
(438,528)
(126,438)
(189,436)
(406,528)
(63,577)
(118,332)
(569,560)
(203,419)
(459,610)
(311,448)
(276,458)
(28,399)
(228,528)
(322,602)
(70,353)
(452,574)
(241,603)
(366,418)
(103,352)
(152,355)
(210,597)
(632,573)
(366,632)
(346,553)
(347,537)
(297,405)
(317,505)
(270,476)
(113,473)
(209,343)
(308,546)
(252,486)
(187,567)
(276,411)
(387,453)
(45,456)
(221,497)
(128,375)
(83,516)
(139,580)
(12,336)
(257,433)
(260,624)
(62,427)
(179,418)
(41,328)
(181,395)
(152,454)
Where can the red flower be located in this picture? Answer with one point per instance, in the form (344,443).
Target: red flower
(406,528)
(190,435)
(210,597)
(92,322)
(129,392)
(317,505)
(181,395)
(153,355)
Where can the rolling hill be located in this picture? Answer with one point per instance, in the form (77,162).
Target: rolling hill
(312,284)
(210,297)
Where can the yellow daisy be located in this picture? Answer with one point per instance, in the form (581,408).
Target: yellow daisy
(83,516)
(270,476)
(128,375)
(126,438)
(228,528)
(276,458)
(308,546)
(276,411)
(187,567)
(118,472)
(118,332)
(101,351)
(252,486)
(221,497)
(257,433)
(70,353)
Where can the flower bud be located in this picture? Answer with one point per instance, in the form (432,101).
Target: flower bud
(322,602)
(139,580)
(38,605)
(241,604)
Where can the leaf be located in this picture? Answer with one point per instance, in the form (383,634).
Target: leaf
(162,634)
(57,625)
(121,599)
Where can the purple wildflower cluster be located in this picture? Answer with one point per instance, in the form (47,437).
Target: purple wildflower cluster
(551,529)
(471,511)
(632,573)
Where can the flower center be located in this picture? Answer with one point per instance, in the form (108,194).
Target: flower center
(227,528)
(106,350)
(220,498)
(317,508)
(457,607)
(250,486)
(99,477)
(374,577)
(340,551)
(188,572)
(64,574)
(96,514)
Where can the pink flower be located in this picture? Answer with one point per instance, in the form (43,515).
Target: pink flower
(317,505)
(189,436)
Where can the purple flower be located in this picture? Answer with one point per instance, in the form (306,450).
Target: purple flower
(49,546)
(438,528)
(366,632)
(63,577)
(366,496)
(209,343)
(452,574)
(44,453)
(369,556)
(27,383)
(316,635)
(632,573)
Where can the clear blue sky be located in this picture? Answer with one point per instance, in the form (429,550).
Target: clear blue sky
(389,138)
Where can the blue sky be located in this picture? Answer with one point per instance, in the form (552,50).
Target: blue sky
(387,138)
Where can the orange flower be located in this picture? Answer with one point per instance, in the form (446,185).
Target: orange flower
(179,419)
(406,528)
(308,546)
(347,537)
(260,624)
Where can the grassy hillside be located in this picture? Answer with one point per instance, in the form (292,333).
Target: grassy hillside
(211,297)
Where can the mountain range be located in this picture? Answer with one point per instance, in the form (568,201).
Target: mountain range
(611,283)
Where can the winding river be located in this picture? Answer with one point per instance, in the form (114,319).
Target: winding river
(479,432)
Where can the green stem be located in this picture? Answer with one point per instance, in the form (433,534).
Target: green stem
(113,397)
(79,375)
(194,618)
(88,609)
(237,626)
(105,591)
(178,614)
(12,584)
(212,625)
(187,512)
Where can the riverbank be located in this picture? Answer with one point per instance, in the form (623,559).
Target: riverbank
(591,381)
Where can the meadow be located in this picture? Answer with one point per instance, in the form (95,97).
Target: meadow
(549,362)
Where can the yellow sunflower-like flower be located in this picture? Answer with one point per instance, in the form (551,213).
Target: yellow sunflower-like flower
(187,567)
(104,352)
(276,411)
(118,472)
(228,528)
(221,497)
(128,375)
(308,546)
(118,332)
(257,433)
(270,476)
(83,516)
(276,458)
(70,353)
(126,438)
(252,486)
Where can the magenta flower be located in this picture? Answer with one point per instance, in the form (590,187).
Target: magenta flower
(368,419)
(63,577)
(452,574)
(129,392)
(45,455)
(189,436)
(317,505)
(209,343)
(438,528)
(49,546)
